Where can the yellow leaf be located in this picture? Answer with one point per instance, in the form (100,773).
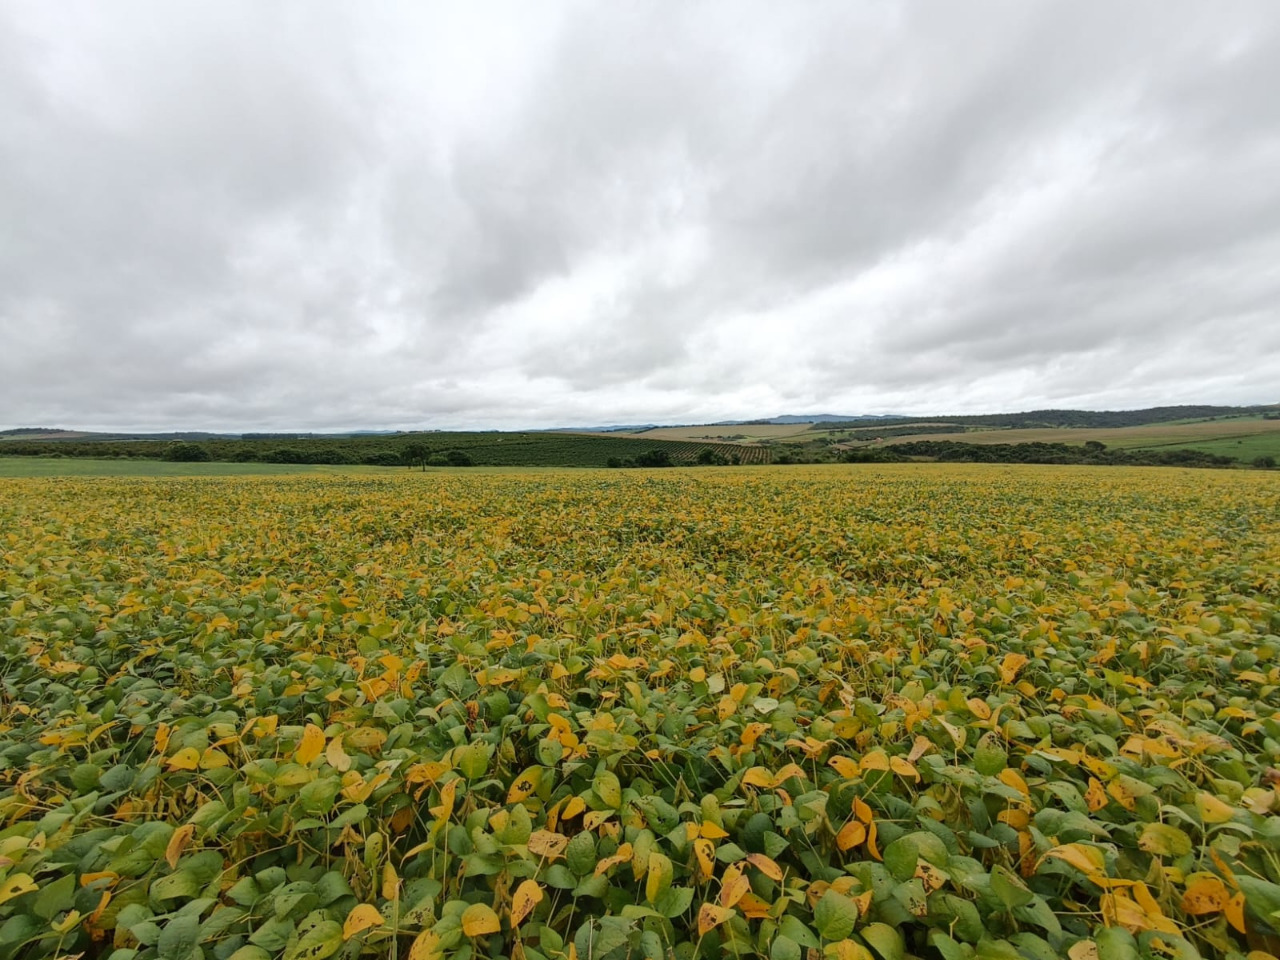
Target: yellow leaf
(363,916)
(1119,911)
(67,922)
(851,834)
(875,760)
(16,886)
(1212,809)
(979,708)
(1205,894)
(923,745)
(336,757)
(574,807)
(1095,796)
(527,896)
(1088,860)
(659,876)
(1012,778)
(758,777)
(904,768)
(524,785)
(705,853)
(754,907)
(426,946)
(188,758)
(844,766)
(862,810)
(621,855)
(94,877)
(444,808)
(479,919)
(1234,912)
(1155,917)
(310,746)
(543,843)
(711,831)
(1010,665)
(734,886)
(787,772)
(765,865)
(177,843)
(710,917)
(390,882)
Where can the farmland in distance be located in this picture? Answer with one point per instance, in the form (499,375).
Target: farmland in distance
(845,712)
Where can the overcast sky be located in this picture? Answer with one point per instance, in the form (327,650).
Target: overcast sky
(257,215)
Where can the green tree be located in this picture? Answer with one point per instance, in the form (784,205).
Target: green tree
(415,454)
(186,453)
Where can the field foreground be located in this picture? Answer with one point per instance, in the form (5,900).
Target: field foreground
(845,713)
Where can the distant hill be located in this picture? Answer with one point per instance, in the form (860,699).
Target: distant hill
(788,418)
(1073,418)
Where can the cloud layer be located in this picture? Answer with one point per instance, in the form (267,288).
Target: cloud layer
(324,215)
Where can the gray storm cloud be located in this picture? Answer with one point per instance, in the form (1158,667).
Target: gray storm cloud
(321,215)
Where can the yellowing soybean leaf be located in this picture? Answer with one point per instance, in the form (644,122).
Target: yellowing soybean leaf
(527,896)
(845,767)
(177,843)
(706,856)
(543,843)
(711,916)
(765,865)
(15,886)
(310,746)
(363,916)
(524,785)
(188,758)
(479,920)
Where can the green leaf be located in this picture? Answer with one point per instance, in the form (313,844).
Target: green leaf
(608,789)
(673,901)
(784,948)
(998,950)
(181,884)
(55,897)
(835,916)
(349,817)
(1011,890)
(179,937)
(272,935)
(990,756)
(793,929)
(947,947)
(472,760)
(1033,947)
(322,940)
(903,855)
(884,940)
(1116,943)
(580,854)
(601,936)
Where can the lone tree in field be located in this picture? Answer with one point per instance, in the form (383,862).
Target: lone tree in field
(416,454)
